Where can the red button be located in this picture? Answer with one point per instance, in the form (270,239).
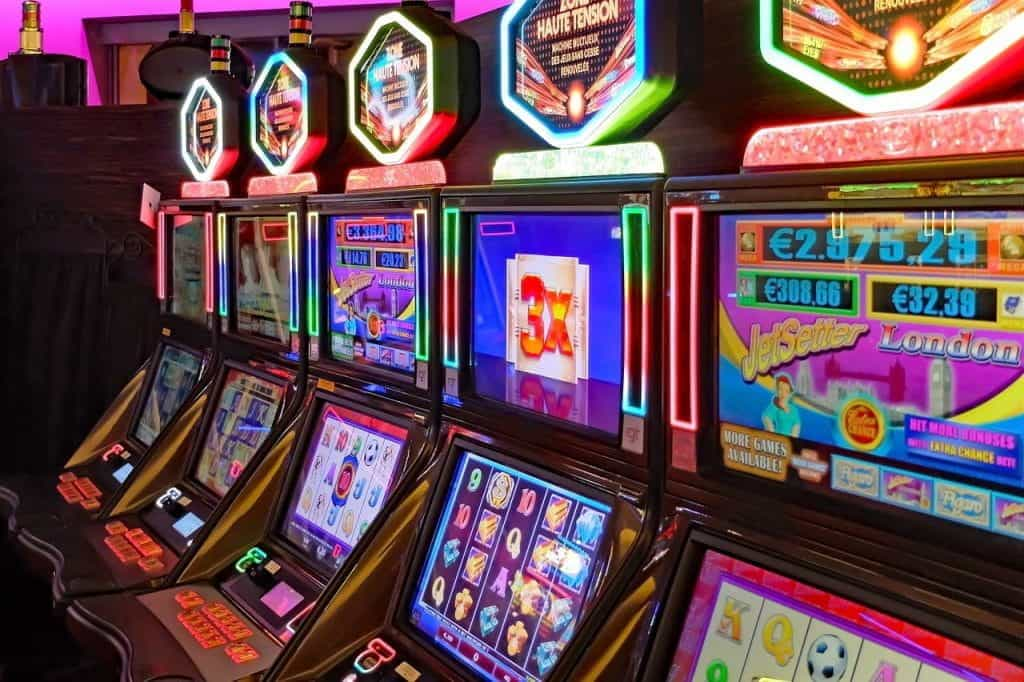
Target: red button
(151,565)
(91,504)
(115,528)
(67,477)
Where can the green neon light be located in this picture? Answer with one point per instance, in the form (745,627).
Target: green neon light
(955,77)
(634,158)
(853,189)
(450,284)
(631,216)
(423,268)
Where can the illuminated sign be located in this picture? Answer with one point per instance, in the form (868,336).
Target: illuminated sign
(208,133)
(396,108)
(884,56)
(583,71)
(279,111)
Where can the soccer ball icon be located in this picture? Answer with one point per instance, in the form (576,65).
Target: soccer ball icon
(826,661)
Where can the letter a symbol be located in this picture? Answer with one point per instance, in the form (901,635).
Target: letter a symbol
(886,673)
(498,586)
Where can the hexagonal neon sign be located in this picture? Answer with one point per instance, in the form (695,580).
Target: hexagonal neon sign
(579,72)
(202,132)
(391,94)
(279,117)
(887,56)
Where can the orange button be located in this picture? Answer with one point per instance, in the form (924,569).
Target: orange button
(241,652)
(67,477)
(115,528)
(91,504)
(151,565)
(188,599)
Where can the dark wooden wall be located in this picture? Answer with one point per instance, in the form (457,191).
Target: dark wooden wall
(71,182)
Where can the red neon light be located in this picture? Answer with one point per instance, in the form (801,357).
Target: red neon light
(214,189)
(275,231)
(271,185)
(208,262)
(161,256)
(419,174)
(984,129)
(684,412)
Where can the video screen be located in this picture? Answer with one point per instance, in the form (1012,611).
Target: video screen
(373,291)
(246,411)
(745,622)
(175,375)
(547,314)
(513,565)
(187,257)
(352,464)
(262,274)
(848,351)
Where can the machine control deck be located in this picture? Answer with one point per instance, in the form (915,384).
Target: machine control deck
(379,661)
(134,545)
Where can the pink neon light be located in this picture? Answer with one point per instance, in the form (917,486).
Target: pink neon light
(273,185)
(984,129)
(161,256)
(208,262)
(214,189)
(418,174)
(677,226)
(497,228)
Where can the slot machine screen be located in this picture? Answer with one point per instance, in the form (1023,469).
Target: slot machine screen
(246,410)
(262,276)
(175,376)
(187,245)
(745,622)
(351,466)
(373,291)
(512,567)
(877,354)
(547,314)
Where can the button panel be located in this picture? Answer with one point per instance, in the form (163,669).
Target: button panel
(214,624)
(79,490)
(134,546)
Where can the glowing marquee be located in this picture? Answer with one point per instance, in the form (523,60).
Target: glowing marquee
(202,133)
(279,116)
(579,72)
(887,56)
(548,297)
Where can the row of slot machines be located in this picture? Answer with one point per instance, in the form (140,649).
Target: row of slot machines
(520,432)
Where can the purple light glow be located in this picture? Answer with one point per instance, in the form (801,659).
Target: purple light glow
(64,29)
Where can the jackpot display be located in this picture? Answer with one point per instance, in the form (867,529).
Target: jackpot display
(512,567)
(394,88)
(187,244)
(373,292)
(174,378)
(548,314)
(887,45)
(262,274)
(351,465)
(745,622)
(859,350)
(245,414)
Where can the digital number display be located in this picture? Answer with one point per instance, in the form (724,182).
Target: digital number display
(389,232)
(835,294)
(392,260)
(935,300)
(359,258)
(883,246)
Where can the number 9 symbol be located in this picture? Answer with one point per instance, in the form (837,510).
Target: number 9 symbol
(475,478)
(777,638)
(718,671)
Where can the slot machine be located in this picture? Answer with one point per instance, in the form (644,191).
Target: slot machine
(368,427)
(211,132)
(866,346)
(261,382)
(545,495)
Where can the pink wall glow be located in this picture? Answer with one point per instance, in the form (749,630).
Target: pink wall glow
(63,28)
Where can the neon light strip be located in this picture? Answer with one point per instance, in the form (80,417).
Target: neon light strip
(679,218)
(608,115)
(629,214)
(313,273)
(195,92)
(296,151)
(634,158)
(161,256)
(450,283)
(927,96)
(423,279)
(293,264)
(222,262)
(415,174)
(984,129)
(208,261)
(401,154)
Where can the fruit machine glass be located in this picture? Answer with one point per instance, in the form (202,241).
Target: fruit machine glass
(196,472)
(866,320)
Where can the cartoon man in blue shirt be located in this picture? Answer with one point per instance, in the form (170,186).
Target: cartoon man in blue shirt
(781,415)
